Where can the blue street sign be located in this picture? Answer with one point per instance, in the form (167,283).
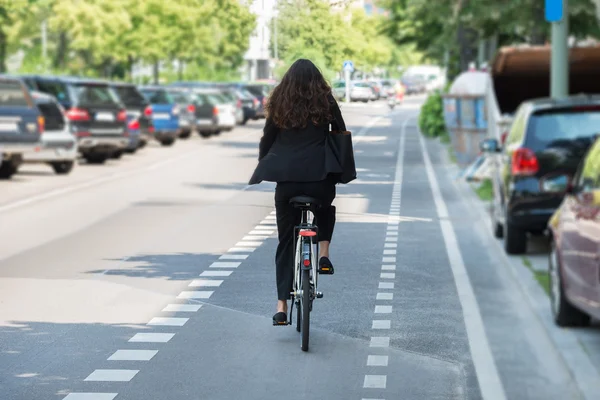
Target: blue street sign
(348,66)
(554,10)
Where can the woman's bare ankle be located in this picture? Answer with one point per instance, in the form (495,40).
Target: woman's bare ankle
(282,306)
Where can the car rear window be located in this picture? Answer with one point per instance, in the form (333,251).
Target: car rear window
(216,99)
(228,96)
(12,95)
(53,117)
(158,96)
(55,88)
(256,90)
(361,85)
(94,95)
(179,97)
(571,124)
(130,96)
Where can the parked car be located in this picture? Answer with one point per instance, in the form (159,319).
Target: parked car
(414,84)
(574,261)
(21,125)
(547,137)
(338,90)
(96,115)
(388,87)
(207,122)
(139,115)
(222,109)
(377,90)
(260,92)
(361,91)
(58,145)
(232,98)
(165,113)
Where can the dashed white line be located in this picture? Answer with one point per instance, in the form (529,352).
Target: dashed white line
(255,237)
(386,285)
(380,341)
(233,257)
(148,337)
(261,232)
(133,355)
(215,273)
(182,307)
(112,375)
(205,283)
(91,396)
(389,252)
(167,321)
(388,275)
(225,264)
(389,259)
(377,361)
(241,249)
(388,267)
(383,309)
(394,245)
(194,295)
(381,324)
(385,296)
(375,382)
(247,244)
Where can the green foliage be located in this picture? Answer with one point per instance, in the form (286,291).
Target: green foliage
(431,119)
(485,190)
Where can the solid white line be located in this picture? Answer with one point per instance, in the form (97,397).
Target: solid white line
(380,341)
(233,257)
(216,273)
(91,396)
(383,309)
(182,307)
(225,264)
(148,337)
(133,355)
(377,361)
(483,359)
(194,295)
(381,324)
(112,375)
(375,382)
(167,321)
(205,283)
(385,296)
(386,285)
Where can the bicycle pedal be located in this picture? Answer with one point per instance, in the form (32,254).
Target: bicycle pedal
(325,271)
(319,295)
(286,323)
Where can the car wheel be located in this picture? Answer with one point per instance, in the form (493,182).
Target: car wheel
(565,314)
(96,158)
(132,150)
(117,154)
(7,170)
(216,133)
(167,142)
(185,134)
(244,121)
(515,239)
(62,167)
(497,227)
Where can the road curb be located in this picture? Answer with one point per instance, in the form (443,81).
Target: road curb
(568,346)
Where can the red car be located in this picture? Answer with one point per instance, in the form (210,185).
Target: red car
(574,262)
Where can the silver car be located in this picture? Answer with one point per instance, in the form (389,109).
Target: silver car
(361,91)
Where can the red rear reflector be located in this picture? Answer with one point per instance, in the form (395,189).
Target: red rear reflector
(77,114)
(148,111)
(134,125)
(524,162)
(306,263)
(308,233)
(215,111)
(122,115)
(191,108)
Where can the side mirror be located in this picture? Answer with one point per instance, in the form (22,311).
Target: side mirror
(489,146)
(557,184)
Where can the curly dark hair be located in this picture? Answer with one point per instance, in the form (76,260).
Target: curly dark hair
(301,97)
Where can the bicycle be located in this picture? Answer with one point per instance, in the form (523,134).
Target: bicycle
(305,268)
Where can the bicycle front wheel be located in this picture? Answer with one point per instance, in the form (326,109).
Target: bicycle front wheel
(305,308)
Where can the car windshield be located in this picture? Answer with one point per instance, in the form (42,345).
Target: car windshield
(179,97)
(256,90)
(546,128)
(158,96)
(12,95)
(130,96)
(94,95)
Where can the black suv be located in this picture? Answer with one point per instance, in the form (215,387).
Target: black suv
(547,140)
(139,114)
(96,114)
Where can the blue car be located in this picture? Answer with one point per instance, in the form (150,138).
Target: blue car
(165,114)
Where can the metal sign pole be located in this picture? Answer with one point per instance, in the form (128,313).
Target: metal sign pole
(347,80)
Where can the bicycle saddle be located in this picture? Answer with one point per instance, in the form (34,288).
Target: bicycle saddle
(303,201)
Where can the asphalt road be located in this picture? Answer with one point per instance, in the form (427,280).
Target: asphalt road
(152,277)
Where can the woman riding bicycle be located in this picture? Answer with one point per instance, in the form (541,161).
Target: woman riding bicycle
(292,153)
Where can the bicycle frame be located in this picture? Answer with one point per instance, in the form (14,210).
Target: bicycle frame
(300,253)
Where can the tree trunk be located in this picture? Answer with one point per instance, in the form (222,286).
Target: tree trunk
(61,51)
(467,43)
(3,46)
(130,67)
(180,70)
(538,34)
(155,72)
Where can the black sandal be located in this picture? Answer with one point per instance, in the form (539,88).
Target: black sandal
(325,266)
(280,319)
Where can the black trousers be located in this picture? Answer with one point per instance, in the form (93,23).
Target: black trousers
(289,217)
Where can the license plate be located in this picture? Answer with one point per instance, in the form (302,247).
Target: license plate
(104,116)
(133,113)
(161,116)
(8,127)
(204,122)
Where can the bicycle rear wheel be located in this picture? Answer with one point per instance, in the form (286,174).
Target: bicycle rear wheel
(305,308)
(299,317)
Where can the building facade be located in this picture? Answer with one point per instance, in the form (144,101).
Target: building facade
(258,58)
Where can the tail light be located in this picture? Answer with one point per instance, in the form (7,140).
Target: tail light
(215,111)
(122,116)
(264,101)
(255,102)
(78,114)
(148,111)
(503,138)
(306,262)
(524,162)
(239,103)
(175,110)
(134,125)
(191,108)
(41,124)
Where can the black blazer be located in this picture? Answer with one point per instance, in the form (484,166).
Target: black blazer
(297,155)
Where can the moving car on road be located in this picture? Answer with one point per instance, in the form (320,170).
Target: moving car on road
(21,124)
(165,113)
(58,145)
(548,137)
(574,261)
(139,115)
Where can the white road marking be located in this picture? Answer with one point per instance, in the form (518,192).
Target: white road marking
(377,361)
(394,245)
(273,212)
(380,341)
(233,257)
(393,223)
(216,273)
(205,283)
(386,285)
(388,267)
(271,217)
(391,233)
(391,239)
(112,375)
(381,324)
(389,252)
(133,355)
(147,337)
(167,321)
(241,249)
(91,396)
(255,237)
(375,381)
(388,259)
(483,359)
(194,294)
(182,307)
(385,296)
(225,264)
(264,228)
(248,244)
(383,309)
(261,232)
(387,275)
(273,223)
